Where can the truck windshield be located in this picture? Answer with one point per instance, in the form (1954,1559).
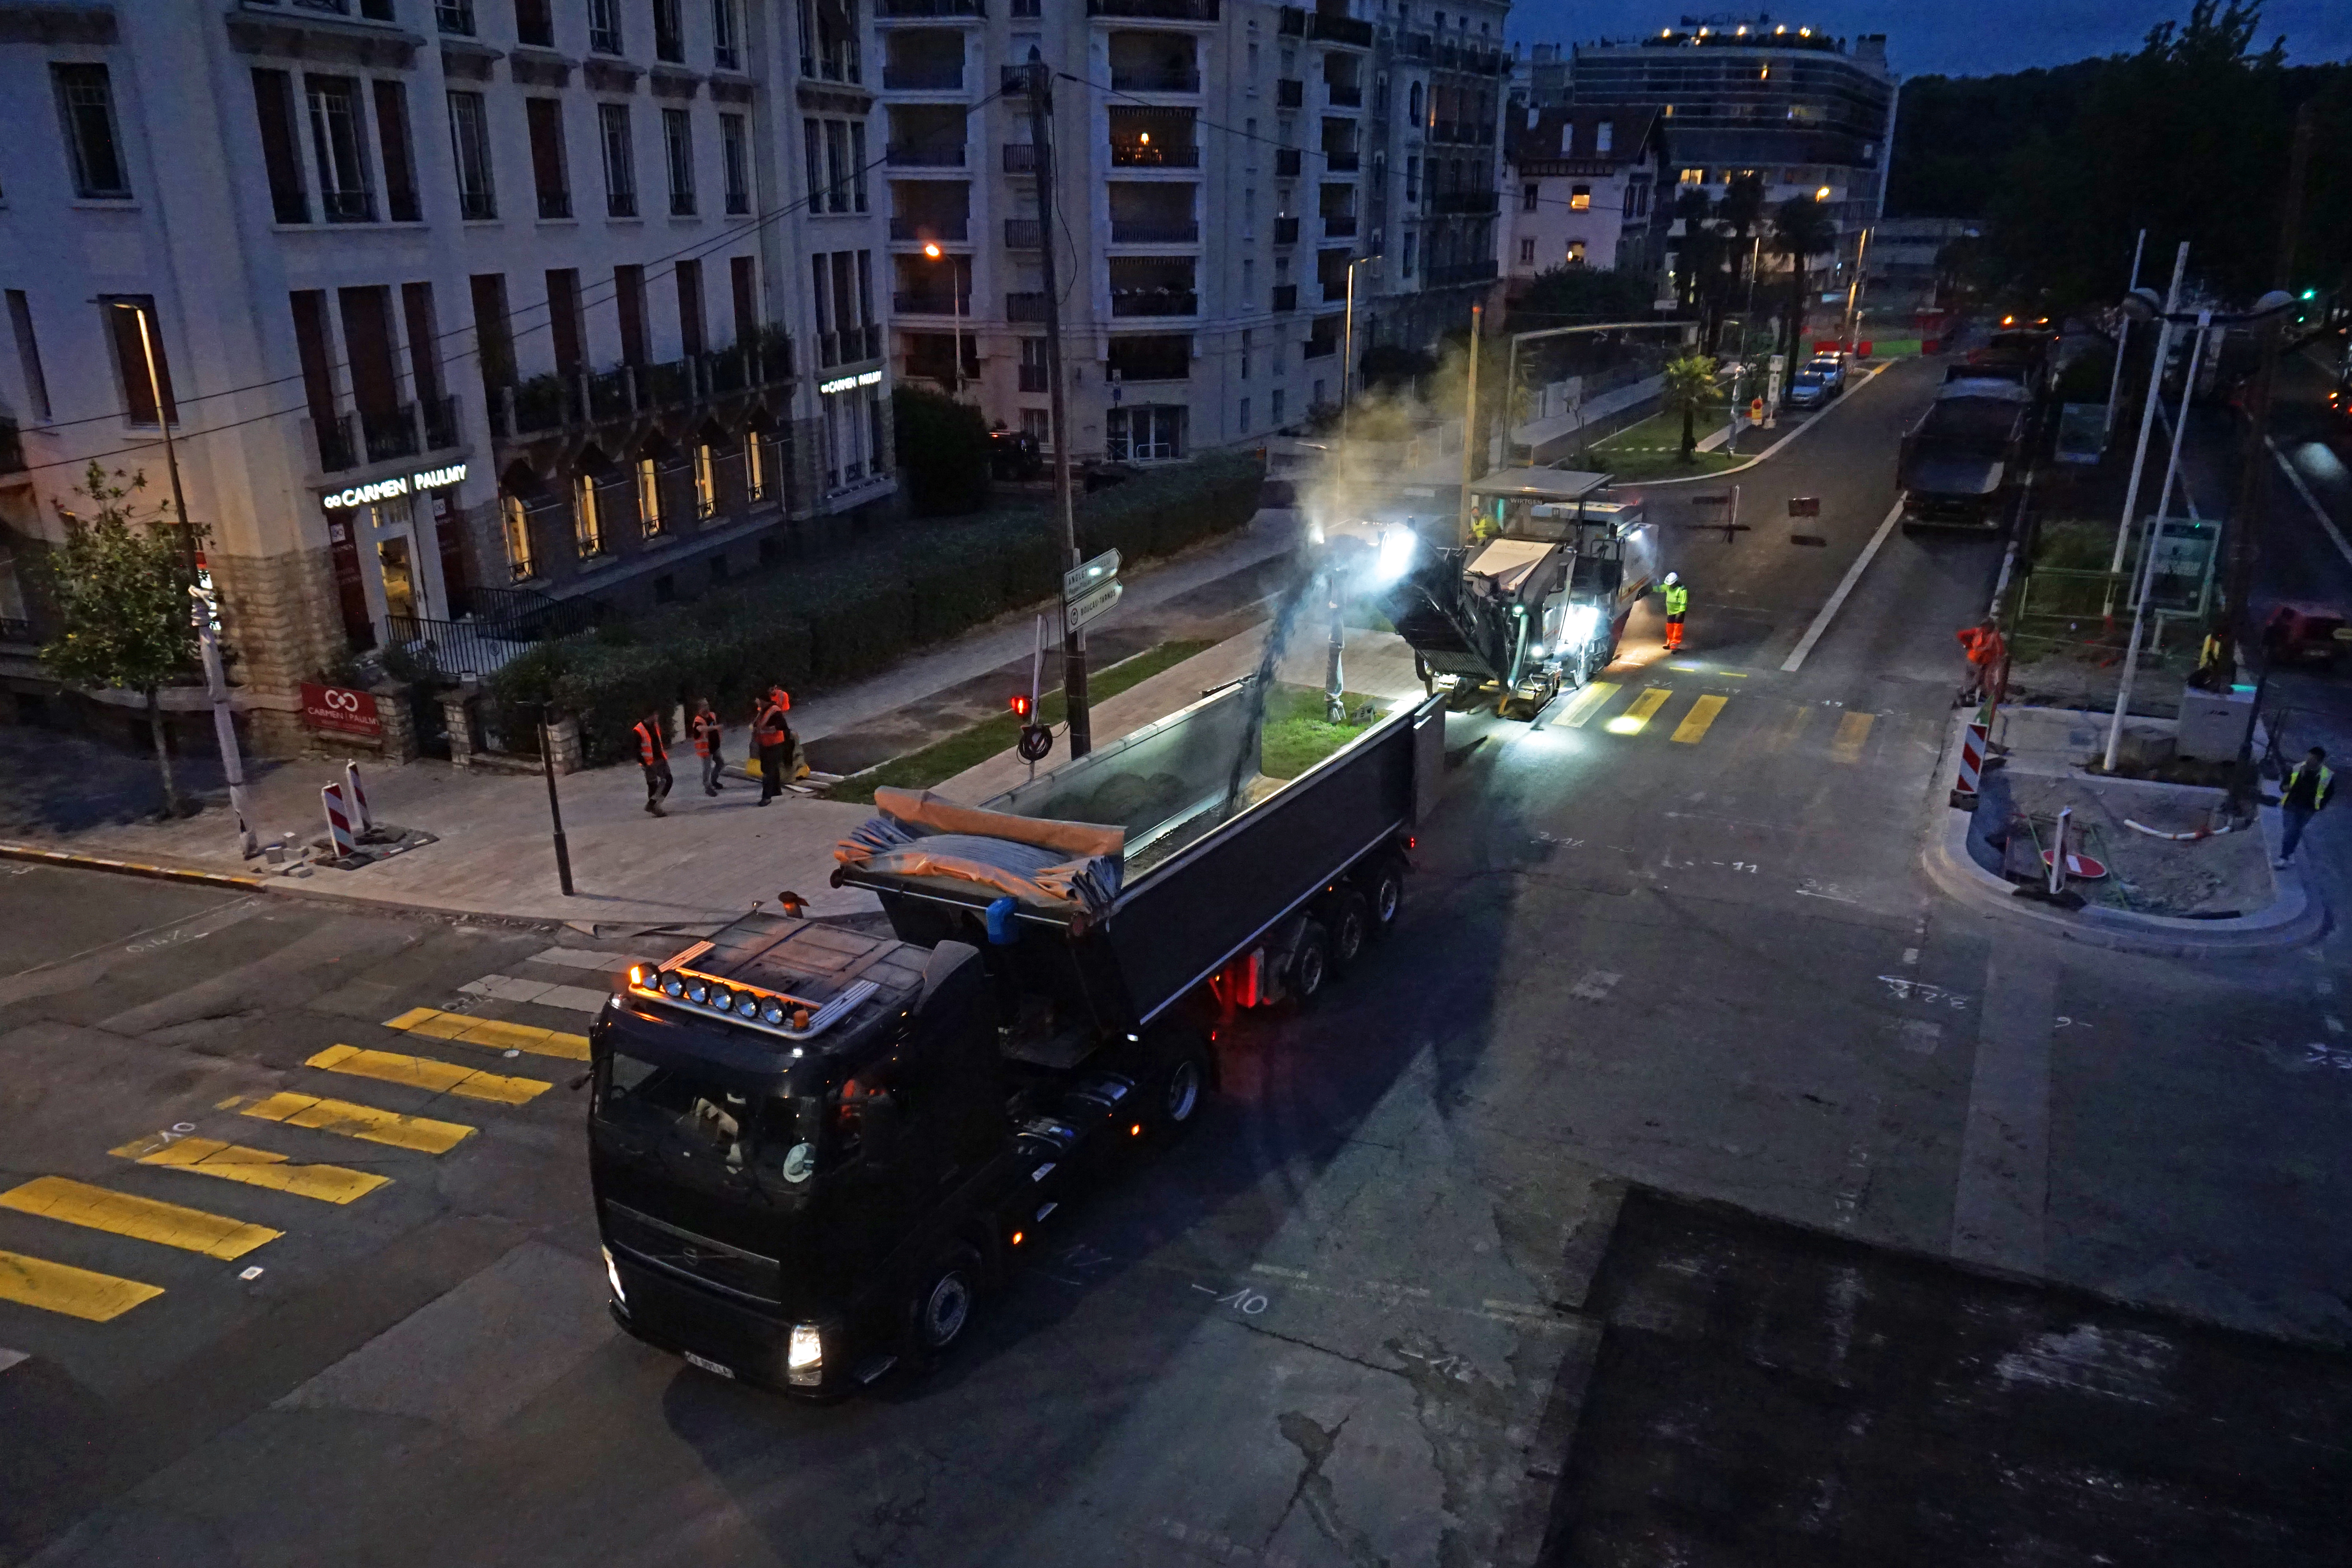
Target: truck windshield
(704,1132)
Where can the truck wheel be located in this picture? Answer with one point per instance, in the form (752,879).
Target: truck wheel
(1310,965)
(942,1304)
(1178,1085)
(1349,919)
(1385,888)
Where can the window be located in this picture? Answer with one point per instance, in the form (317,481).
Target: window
(756,465)
(1038,424)
(620,160)
(1412,105)
(392,141)
(735,151)
(122,317)
(836,165)
(518,532)
(670,32)
(29,354)
(1579,198)
(706,473)
(690,336)
(1277,405)
(1033,364)
(678,136)
(1531,196)
(812,150)
(1526,252)
(563,320)
(1245,419)
(1604,136)
(339,149)
(1576,253)
(455,16)
(1245,359)
(281,160)
(1413,179)
(649,499)
(587,527)
(604,27)
(743,280)
(1409,241)
(629,305)
(469,143)
(535,23)
(546,118)
(493,337)
(86,104)
(857,163)
(727,34)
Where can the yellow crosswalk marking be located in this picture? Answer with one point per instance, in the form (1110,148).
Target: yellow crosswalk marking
(143,1219)
(1701,715)
(421,1134)
(1637,715)
(254,1167)
(423,1072)
(62,1288)
(1786,728)
(495,1033)
(1851,732)
(1588,702)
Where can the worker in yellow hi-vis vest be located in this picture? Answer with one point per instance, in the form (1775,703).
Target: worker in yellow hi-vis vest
(1677,603)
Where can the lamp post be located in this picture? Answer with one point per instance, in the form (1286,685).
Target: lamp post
(955,302)
(1348,363)
(2123,336)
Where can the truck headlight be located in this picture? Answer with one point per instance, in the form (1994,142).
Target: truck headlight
(613,1273)
(804,1355)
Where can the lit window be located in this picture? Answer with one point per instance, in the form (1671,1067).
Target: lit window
(517,531)
(587,528)
(706,477)
(649,500)
(1579,198)
(1576,253)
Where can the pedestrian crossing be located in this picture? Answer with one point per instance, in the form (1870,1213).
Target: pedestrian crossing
(1772,725)
(313,1105)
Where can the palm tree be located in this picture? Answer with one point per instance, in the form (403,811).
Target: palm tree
(1801,230)
(1690,386)
(1741,212)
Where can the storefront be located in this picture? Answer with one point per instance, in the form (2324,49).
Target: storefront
(851,411)
(397,549)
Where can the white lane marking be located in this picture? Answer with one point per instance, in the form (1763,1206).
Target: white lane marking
(1596,985)
(2309,500)
(1853,575)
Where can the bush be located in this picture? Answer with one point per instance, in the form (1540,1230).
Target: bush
(833,621)
(942,452)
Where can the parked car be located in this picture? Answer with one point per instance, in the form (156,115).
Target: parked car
(1830,368)
(1809,388)
(2303,633)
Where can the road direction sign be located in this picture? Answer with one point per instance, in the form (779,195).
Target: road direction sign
(1092,604)
(1093,573)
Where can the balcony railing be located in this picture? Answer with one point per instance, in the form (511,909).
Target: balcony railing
(1340,30)
(546,404)
(1465,202)
(497,624)
(1289,93)
(1285,231)
(1020,158)
(1349,96)
(1023,233)
(1024,307)
(554,204)
(1154,80)
(352,440)
(838,63)
(923,79)
(932,302)
(1285,163)
(1460,273)
(926,155)
(1341,227)
(1156,10)
(920,9)
(1153,155)
(1154,231)
(1285,297)
(1346,161)
(905,230)
(1154,302)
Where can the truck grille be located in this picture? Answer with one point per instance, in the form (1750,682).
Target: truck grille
(746,1276)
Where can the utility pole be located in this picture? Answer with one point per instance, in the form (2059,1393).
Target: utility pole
(1073,639)
(2254,471)
(2147,415)
(1469,429)
(1854,294)
(2123,336)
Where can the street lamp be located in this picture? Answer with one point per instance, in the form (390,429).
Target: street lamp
(1347,347)
(955,301)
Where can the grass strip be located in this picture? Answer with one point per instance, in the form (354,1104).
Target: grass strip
(945,758)
(1297,735)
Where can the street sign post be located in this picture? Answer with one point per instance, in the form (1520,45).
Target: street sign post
(1089,574)
(1092,604)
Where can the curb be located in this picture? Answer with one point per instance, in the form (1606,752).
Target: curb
(134,869)
(1774,449)
(2292,919)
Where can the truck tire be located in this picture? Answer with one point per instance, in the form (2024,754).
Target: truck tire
(1310,965)
(941,1307)
(1347,916)
(1384,894)
(1178,1084)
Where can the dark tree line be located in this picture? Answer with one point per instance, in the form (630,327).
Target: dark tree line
(2187,137)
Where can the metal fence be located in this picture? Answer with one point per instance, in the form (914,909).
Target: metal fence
(495,625)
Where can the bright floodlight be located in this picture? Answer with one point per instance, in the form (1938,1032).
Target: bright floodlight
(1396,551)
(1578,625)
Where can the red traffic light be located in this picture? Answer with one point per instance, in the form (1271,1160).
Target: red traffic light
(1020,702)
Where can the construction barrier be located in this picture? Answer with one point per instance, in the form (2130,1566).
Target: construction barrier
(1972,759)
(363,819)
(339,826)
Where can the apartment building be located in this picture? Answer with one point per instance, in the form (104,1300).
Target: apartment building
(463,308)
(1219,166)
(1809,112)
(1582,189)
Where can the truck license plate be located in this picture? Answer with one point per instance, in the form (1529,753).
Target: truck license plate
(711,1366)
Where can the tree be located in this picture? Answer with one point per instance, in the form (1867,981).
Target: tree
(1690,386)
(942,451)
(1800,229)
(1585,293)
(120,581)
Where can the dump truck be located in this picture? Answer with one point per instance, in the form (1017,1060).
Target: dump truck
(1537,605)
(1959,466)
(812,1148)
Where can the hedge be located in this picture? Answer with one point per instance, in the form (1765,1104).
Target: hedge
(832,621)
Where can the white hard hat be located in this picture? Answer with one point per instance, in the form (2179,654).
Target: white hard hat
(1672,578)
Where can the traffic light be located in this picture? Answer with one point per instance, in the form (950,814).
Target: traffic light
(1020,705)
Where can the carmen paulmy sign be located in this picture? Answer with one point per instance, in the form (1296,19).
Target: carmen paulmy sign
(398,485)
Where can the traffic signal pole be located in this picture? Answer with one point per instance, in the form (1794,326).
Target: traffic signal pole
(1073,639)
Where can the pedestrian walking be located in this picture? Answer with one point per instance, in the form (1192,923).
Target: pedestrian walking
(2302,793)
(1985,648)
(654,756)
(1677,603)
(771,730)
(709,734)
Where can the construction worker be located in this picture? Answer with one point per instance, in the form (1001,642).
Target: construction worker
(1677,603)
(1986,649)
(654,756)
(2209,660)
(708,736)
(2302,793)
(771,732)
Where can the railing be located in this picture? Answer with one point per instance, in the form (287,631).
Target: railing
(1154,80)
(1153,155)
(1285,297)
(1340,30)
(1020,158)
(1339,227)
(1349,96)
(1342,163)
(1462,272)
(1285,163)
(389,433)
(549,402)
(849,346)
(479,646)
(440,417)
(1024,307)
(932,302)
(1465,201)
(1156,10)
(839,63)
(554,204)
(1154,231)
(455,16)
(1285,231)
(1023,233)
(926,155)
(1154,302)
(923,79)
(904,229)
(1289,92)
(923,8)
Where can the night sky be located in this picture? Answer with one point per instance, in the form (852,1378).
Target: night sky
(1936,37)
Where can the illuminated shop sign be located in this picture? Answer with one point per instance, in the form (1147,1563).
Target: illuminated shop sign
(845,383)
(401,485)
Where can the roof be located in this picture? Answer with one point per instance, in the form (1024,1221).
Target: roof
(1539,484)
(1567,133)
(1509,561)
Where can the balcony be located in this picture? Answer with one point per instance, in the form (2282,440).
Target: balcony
(1340,30)
(548,404)
(1023,233)
(922,79)
(1293,22)
(926,10)
(1467,201)
(1341,227)
(1024,307)
(1154,231)
(1153,155)
(930,302)
(1289,93)
(1157,10)
(1459,274)
(359,439)
(1285,163)
(1348,96)
(851,346)
(925,155)
(1285,231)
(1154,302)
(915,230)
(1343,163)
(837,62)
(1285,297)
(1143,80)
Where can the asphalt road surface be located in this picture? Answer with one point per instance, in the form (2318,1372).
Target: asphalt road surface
(1677,942)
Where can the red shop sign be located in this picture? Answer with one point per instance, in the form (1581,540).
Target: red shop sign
(340,709)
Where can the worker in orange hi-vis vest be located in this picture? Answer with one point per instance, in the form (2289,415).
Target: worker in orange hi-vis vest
(771,732)
(1985,648)
(709,737)
(654,756)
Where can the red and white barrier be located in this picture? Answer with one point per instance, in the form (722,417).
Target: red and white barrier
(339,826)
(356,799)
(1972,758)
